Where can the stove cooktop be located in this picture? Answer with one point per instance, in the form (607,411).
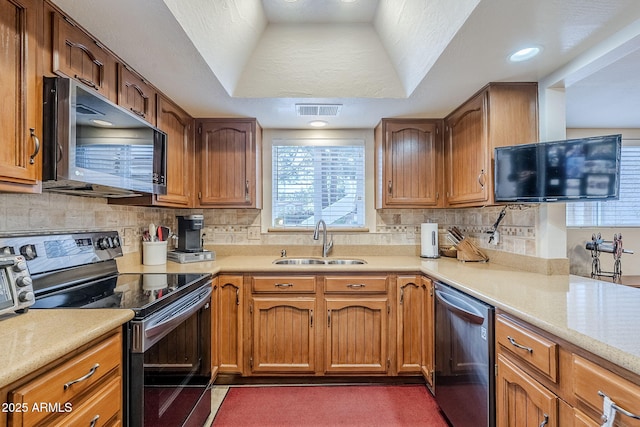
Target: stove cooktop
(142,293)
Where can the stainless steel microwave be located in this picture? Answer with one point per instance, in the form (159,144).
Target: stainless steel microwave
(93,147)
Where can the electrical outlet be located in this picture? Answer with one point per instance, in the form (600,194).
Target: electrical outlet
(253,233)
(496,238)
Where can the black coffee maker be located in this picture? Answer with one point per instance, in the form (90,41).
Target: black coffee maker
(189,239)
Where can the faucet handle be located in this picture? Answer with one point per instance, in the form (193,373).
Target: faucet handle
(283,253)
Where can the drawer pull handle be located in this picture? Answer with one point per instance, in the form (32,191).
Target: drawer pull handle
(283,285)
(84,377)
(356,285)
(520,346)
(617,408)
(94,421)
(545,421)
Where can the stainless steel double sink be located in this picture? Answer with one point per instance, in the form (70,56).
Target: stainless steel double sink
(318,261)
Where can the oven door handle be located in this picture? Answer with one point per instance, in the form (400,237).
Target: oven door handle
(460,308)
(187,309)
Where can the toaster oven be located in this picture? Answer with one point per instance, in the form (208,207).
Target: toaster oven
(16,286)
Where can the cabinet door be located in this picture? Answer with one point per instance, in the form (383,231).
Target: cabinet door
(20,113)
(410,324)
(230,303)
(522,401)
(229,163)
(411,168)
(466,152)
(215,329)
(136,95)
(178,126)
(428,337)
(357,335)
(283,335)
(77,55)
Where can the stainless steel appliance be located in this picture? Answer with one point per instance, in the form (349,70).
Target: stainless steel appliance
(16,289)
(172,312)
(92,147)
(465,361)
(190,242)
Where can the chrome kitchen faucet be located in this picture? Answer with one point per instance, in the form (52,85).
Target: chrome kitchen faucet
(326,247)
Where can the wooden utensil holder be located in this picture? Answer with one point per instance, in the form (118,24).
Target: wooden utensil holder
(467,251)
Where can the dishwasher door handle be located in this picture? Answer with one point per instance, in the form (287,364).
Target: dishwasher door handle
(460,307)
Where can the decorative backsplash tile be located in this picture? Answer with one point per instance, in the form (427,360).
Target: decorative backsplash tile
(54,212)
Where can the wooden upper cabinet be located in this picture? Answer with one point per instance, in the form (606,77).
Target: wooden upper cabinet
(79,56)
(408,163)
(179,127)
(500,114)
(230,163)
(136,94)
(21,94)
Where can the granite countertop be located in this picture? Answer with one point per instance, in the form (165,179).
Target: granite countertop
(34,339)
(599,316)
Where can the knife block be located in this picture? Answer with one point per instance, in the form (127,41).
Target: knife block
(467,251)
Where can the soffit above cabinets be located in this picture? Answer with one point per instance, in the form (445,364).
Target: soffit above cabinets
(382,58)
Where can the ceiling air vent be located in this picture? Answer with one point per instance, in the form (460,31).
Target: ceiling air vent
(326,110)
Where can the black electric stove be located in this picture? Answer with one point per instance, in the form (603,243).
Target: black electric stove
(78,270)
(142,293)
(167,348)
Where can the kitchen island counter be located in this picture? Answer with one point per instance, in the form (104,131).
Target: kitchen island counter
(598,316)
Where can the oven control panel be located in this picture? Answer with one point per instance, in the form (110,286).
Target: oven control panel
(44,253)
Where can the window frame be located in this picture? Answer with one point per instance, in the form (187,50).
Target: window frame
(272,135)
(598,207)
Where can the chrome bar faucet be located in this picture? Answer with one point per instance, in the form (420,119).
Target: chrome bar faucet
(326,247)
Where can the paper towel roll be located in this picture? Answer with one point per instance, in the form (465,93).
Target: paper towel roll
(429,240)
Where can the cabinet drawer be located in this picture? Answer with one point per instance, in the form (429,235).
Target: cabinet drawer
(589,379)
(352,284)
(284,284)
(58,387)
(100,409)
(534,350)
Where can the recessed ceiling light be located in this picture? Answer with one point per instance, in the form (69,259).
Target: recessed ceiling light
(525,54)
(318,123)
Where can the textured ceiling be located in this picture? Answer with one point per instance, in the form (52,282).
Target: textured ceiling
(151,35)
(320,48)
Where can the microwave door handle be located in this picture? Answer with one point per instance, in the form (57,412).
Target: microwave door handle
(449,302)
(178,317)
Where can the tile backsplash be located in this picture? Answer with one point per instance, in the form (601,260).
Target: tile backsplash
(55,212)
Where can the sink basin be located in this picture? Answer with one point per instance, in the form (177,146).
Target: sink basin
(299,261)
(317,261)
(346,261)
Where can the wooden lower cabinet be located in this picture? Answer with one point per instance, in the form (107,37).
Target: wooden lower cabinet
(410,324)
(283,335)
(230,324)
(357,335)
(541,377)
(86,389)
(522,401)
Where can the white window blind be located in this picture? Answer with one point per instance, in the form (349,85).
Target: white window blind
(624,212)
(318,179)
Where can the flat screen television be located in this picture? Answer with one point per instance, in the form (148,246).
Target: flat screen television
(584,169)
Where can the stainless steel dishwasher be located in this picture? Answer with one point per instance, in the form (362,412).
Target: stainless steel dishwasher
(465,361)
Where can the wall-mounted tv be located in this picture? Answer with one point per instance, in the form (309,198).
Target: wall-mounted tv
(584,169)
